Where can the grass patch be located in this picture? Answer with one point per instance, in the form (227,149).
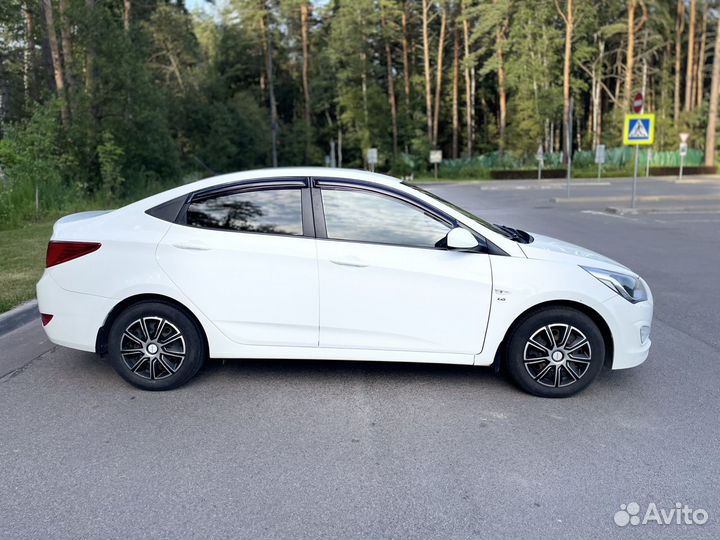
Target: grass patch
(22,260)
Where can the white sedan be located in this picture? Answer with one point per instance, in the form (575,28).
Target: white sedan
(318,263)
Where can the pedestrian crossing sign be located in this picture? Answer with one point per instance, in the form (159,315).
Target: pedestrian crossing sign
(639,129)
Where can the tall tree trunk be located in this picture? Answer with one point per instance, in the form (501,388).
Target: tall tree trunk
(127,6)
(439,76)
(426,68)
(390,81)
(304,16)
(502,97)
(469,95)
(633,28)
(644,79)
(267,49)
(406,59)
(90,57)
(590,109)
(364,87)
(66,43)
(339,143)
(56,63)
(456,92)
(29,52)
(679,28)
(617,71)
(4,95)
(714,98)
(700,72)
(630,55)
(690,59)
(569,20)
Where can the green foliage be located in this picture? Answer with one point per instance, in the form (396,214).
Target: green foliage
(181,95)
(111,157)
(31,159)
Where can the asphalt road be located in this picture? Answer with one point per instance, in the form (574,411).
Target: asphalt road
(285,449)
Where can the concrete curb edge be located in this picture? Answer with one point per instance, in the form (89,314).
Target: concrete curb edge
(18,316)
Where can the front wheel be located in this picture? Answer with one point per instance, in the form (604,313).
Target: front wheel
(155,346)
(555,352)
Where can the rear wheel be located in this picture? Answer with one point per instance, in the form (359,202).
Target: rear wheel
(155,346)
(555,352)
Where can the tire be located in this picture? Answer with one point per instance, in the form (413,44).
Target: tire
(156,346)
(555,352)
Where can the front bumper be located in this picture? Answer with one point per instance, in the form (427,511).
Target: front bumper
(77,317)
(626,321)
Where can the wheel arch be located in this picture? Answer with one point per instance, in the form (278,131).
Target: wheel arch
(101,342)
(583,308)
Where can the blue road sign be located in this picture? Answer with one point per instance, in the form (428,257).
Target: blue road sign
(639,129)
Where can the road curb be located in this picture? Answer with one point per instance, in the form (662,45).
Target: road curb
(640,198)
(660,210)
(18,316)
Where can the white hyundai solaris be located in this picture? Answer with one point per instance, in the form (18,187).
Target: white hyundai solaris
(319,263)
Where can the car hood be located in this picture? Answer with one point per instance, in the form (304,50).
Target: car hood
(552,249)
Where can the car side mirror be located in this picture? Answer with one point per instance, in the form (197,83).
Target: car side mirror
(460,238)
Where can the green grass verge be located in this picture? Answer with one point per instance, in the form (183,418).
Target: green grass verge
(22,260)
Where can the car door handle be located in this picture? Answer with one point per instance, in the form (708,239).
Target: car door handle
(192,246)
(350,261)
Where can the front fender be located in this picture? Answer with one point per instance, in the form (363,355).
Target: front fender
(519,284)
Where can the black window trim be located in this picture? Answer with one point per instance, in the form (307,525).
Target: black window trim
(317,183)
(266,184)
(313,215)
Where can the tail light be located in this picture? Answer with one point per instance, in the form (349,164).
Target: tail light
(60,252)
(45,318)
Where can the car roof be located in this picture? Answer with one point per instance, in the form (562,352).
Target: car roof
(266,174)
(317,172)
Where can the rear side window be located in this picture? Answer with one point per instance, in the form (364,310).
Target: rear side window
(271,211)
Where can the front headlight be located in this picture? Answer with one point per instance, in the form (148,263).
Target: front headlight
(629,287)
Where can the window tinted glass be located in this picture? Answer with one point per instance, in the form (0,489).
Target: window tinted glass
(369,217)
(464,212)
(275,211)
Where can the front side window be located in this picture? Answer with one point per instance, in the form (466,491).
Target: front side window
(273,211)
(364,216)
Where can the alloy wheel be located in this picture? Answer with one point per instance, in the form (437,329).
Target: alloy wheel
(557,355)
(152,348)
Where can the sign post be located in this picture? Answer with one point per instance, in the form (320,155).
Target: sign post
(600,158)
(683,152)
(540,156)
(435,159)
(639,130)
(372,158)
(648,160)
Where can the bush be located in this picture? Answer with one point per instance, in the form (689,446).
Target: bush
(30,159)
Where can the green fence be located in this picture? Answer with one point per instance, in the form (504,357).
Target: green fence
(614,158)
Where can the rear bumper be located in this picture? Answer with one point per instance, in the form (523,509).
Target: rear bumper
(626,323)
(76,318)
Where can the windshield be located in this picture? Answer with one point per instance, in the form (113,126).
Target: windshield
(464,212)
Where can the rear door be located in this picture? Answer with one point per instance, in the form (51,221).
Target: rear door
(246,257)
(387,280)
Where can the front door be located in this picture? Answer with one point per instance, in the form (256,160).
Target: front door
(388,282)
